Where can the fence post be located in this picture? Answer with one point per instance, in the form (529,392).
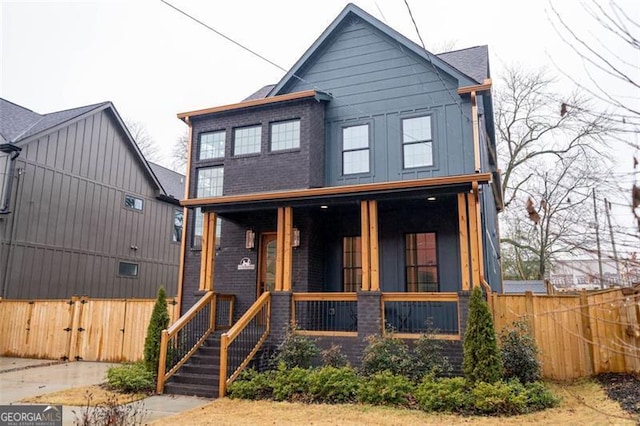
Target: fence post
(587,332)
(222,385)
(212,312)
(162,361)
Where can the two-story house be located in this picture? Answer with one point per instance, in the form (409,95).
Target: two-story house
(81,210)
(358,192)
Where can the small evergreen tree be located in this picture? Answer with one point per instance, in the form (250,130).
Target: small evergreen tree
(482,361)
(159,321)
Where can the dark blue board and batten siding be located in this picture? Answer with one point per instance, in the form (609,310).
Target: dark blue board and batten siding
(71,226)
(376,81)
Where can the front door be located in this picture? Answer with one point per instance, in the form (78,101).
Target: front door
(267,275)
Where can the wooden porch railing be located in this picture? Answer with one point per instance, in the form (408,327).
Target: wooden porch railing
(239,345)
(411,314)
(183,338)
(325,314)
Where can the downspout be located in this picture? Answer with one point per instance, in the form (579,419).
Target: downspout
(14,152)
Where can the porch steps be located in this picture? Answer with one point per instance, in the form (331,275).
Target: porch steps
(200,375)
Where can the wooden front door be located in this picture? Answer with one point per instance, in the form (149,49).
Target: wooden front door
(267,262)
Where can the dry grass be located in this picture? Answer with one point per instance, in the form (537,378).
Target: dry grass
(78,396)
(584,403)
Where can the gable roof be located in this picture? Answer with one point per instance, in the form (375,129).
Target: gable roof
(351,11)
(472,61)
(172,182)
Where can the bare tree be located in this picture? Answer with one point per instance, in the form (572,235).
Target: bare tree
(180,152)
(143,139)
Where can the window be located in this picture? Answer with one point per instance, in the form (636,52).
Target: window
(210,182)
(417,149)
(177,226)
(351,264)
(198,226)
(127,269)
(246,140)
(355,149)
(421,262)
(134,203)
(211,145)
(285,135)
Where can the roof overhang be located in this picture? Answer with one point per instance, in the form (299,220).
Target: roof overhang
(8,148)
(307,94)
(263,199)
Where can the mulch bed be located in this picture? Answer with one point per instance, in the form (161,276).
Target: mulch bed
(622,388)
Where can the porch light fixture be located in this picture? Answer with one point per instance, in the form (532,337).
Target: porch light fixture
(249,239)
(296,238)
(431,198)
(324,207)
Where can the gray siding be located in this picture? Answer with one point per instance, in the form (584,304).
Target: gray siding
(71,227)
(373,79)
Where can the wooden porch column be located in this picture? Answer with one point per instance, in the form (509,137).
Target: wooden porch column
(279,250)
(474,240)
(373,244)
(476,197)
(475,130)
(364,242)
(284,249)
(463,235)
(207,262)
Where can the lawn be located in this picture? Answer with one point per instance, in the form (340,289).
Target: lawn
(583,403)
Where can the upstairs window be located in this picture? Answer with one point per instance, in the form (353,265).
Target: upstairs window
(421,262)
(355,149)
(211,145)
(247,140)
(351,264)
(210,182)
(285,135)
(417,144)
(134,203)
(128,269)
(176,233)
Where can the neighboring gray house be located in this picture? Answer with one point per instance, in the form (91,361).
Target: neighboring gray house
(81,210)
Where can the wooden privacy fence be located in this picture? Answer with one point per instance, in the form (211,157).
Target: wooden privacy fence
(578,335)
(86,329)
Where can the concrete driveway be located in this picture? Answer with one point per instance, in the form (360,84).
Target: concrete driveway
(22,378)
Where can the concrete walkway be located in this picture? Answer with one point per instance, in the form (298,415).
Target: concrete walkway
(23,378)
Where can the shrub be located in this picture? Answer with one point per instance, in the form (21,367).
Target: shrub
(159,321)
(481,361)
(290,383)
(296,350)
(130,378)
(385,388)
(502,398)
(252,385)
(385,353)
(333,357)
(109,413)
(427,357)
(519,353)
(539,396)
(333,385)
(448,395)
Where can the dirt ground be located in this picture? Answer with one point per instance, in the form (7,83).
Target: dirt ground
(583,403)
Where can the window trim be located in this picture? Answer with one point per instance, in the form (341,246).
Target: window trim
(198,170)
(137,265)
(201,134)
(417,265)
(290,120)
(429,115)
(246,154)
(124,203)
(368,148)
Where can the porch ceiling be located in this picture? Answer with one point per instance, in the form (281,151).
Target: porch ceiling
(311,196)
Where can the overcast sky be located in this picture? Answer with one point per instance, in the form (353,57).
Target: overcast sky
(152,62)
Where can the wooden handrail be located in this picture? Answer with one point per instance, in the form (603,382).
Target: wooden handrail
(331,296)
(188,316)
(247,317)
(420,297)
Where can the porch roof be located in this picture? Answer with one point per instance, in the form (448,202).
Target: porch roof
(264,199)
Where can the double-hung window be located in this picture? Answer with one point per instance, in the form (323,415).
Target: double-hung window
(210,184)
(355,149)
(417,143)
(247,140)
(285,135)
(211,145)
(421,262)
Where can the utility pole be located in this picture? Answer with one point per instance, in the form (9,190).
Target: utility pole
(607,209)
(595,213)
